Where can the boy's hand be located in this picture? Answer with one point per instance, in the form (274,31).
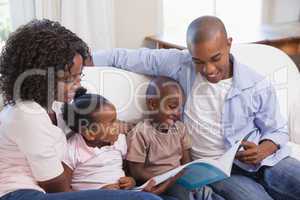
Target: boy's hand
(163,186)
(114,186)
(126,182)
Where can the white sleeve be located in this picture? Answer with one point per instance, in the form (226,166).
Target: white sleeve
(70,158)
(121,145)
(42,143)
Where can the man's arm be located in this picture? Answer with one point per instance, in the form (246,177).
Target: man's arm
(272,126)
(269,120)
(163,62)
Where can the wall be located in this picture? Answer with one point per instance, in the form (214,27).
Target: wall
(135,19)
(280,11)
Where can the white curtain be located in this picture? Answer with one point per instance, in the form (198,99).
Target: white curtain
(21,12)
(92,20)
(50,9)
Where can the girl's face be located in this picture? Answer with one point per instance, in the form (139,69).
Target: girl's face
(70,81)
(104,130)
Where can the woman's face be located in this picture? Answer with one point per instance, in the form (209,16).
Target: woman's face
(71,80)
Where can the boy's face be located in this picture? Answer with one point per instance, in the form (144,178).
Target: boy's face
(168,108)
(211,58)
(104,129)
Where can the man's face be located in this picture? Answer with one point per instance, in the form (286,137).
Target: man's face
(211,58)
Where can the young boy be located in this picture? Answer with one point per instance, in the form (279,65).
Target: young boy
(161,142)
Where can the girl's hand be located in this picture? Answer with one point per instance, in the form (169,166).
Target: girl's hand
(114,186)
(126,182)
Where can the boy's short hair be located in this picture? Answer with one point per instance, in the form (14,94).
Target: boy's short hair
(157,84)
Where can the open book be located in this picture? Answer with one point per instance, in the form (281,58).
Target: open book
(200,172)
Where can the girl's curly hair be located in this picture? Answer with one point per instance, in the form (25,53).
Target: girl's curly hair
(31,55)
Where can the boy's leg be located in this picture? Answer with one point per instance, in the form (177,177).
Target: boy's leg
(178,192)
(206,193)
(81,195)
(282,181)
(240,187)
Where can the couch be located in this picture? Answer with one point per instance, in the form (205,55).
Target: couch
(126,90)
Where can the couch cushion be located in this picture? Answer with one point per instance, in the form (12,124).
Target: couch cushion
(126,90)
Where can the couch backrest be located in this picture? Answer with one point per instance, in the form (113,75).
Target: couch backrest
(126,90)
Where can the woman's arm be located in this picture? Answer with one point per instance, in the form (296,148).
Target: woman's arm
(62,183)
(57,184)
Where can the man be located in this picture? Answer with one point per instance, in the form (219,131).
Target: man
(226,102)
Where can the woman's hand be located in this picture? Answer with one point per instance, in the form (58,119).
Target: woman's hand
(126,182)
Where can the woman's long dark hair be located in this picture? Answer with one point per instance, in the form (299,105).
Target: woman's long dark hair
(34,53)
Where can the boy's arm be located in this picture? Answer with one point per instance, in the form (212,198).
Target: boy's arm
(186,156)
(139,172)
(186,145)
(163,62)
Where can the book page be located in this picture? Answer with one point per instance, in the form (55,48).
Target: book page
(209,170)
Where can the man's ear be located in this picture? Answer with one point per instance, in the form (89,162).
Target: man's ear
(88,135)
(229,41)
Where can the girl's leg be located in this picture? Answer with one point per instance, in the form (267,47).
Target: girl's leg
(81,195)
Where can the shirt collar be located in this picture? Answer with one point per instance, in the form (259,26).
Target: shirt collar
(243,78)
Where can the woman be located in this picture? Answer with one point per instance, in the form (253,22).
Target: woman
(41,62)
